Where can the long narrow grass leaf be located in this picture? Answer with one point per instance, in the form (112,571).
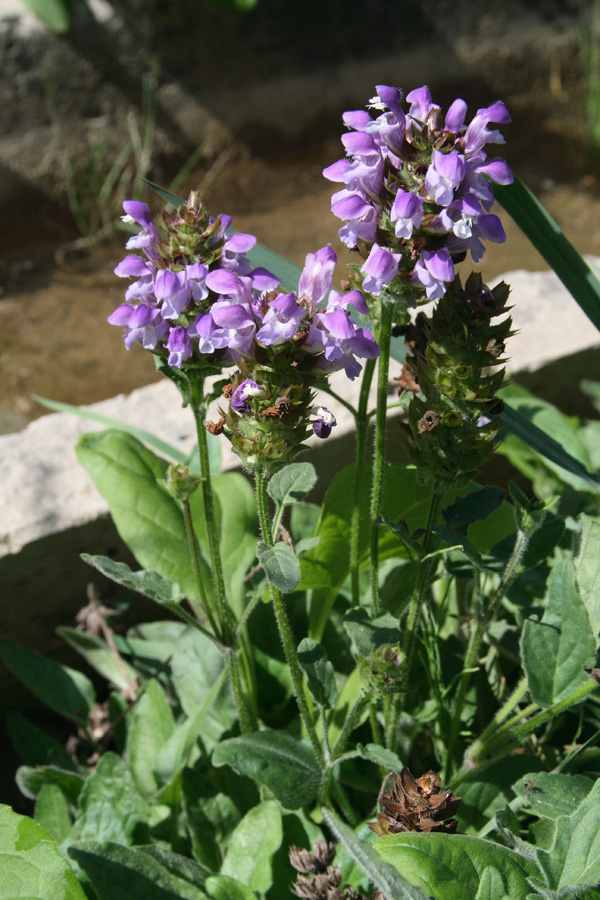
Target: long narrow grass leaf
(545,445)
(140,433)
(546,236)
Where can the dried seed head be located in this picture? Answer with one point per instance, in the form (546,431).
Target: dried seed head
(215,427)
(416,805)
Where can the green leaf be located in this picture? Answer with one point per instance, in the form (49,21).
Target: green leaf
(31,867)
(554,649)
(148,519)
(181,866)
(538,225)
(52,812)
(276,759)
(326,567)
(292,483)
(281,565)
(587,570)
(252,846)
(474,507)
(65,691)
(99,656)
(381,756)
(122,873)
(450,866)
(211,817)
(146,437)
(319,673)
(487,789)
(237,505)
(575,856)
(551,794)
(369,634)
(491,885)
(533,420)
(384,876)
(146,582)
(224,887)
(34,746)
(55,14)
(150,728)
(31,781)
(198,672)
(110,804)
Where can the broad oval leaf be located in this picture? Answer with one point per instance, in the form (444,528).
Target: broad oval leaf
(319,672)
(145,582)
(224,887)
(30,863)
(124,873)
(65,691)
(292,483)
(554,649)
(148,519)
(450,866)
(252,846)
(551,794)
(276,759)
(150,728)
(281,565)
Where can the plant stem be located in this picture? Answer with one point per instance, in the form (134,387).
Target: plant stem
(476,637)
(349,725)
(231,661)
(283,624)
(223,612)
(421,580)
(385,336)
(204,608)
(212,530)
(362,424)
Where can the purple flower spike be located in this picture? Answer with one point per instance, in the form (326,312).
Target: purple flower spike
(379,269)
(281,321)
(247,389)
(326,421)
(444,176)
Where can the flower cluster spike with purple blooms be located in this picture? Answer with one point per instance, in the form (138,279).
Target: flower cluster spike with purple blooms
(196,300)
(417,193)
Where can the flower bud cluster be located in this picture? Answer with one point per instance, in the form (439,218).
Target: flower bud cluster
(417,193)
(454,376)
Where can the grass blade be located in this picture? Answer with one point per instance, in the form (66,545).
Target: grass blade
(140,433)
(538,225)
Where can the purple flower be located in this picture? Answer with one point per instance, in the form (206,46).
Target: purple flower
(247,389)
(143,325)
(233,254)
(380,268)
(444,175)
(406,213)
(179,346)
(334,334)
(433,270)
(281,321)
(149,237)
(478,134)
(317,276)
(326,421)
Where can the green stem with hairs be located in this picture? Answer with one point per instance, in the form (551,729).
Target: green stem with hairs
(385,337)
(283,623)
(349,725)
(202,609)
(482,620)
(362,425)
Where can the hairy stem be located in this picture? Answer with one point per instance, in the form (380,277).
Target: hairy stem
(385,336)
(362,424)
(283,623)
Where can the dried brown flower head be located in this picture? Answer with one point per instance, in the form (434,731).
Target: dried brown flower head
(416,805)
